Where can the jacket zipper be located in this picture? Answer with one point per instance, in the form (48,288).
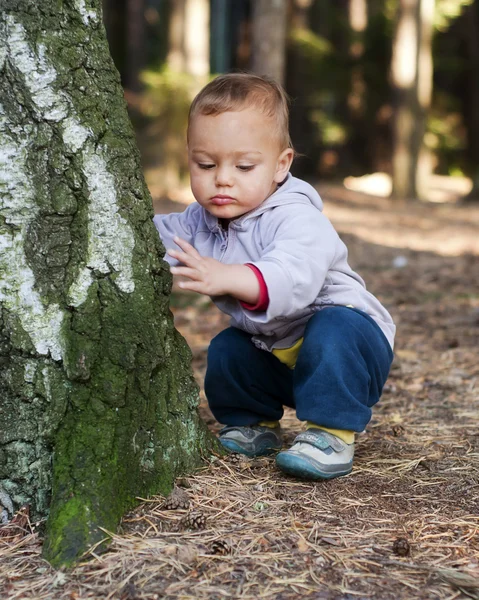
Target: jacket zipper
(225,242)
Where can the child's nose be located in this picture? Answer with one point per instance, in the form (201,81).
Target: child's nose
(223,176)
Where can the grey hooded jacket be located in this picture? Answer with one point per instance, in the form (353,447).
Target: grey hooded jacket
(300,255)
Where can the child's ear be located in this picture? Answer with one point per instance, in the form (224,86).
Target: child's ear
(284,163)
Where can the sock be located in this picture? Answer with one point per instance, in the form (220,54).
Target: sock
(271,424)
(343,434)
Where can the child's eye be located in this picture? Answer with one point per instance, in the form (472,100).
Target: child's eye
(205,165)
(245,167)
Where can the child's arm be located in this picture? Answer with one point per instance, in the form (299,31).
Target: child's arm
(299,249)
(213,278)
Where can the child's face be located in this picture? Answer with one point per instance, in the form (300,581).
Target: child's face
(235,161)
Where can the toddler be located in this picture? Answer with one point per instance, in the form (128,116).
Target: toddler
(304,331)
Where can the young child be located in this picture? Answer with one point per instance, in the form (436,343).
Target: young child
(304,331)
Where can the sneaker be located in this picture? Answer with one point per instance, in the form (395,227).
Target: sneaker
(253,440)
(317,454)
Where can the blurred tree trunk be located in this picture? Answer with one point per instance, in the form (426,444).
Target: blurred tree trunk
(189,53)
(135,44)
(98,403)
(176,53)
(298,85)
(470,21)
(220,34)
(356,100)
(189,38)
(269,38)
(411,77)
(197,39)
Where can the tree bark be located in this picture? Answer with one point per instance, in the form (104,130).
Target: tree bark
(135,44)
(189,43)
(176,40)
(411,74)
(197,39)
(269,38)
(98,403)
(470,26)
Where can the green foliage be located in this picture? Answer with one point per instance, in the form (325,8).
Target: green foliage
(446,135)
(447,11)
(324,70)
(312,46)
(168,95)
(322,77)
(161,118)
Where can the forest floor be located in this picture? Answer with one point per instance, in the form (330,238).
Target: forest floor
(403,525)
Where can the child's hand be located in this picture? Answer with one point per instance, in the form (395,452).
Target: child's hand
(211,277)
(205,274)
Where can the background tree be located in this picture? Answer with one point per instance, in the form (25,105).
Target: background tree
(468,25)
(338,72)
(98,403)
(136,43)
(411,76)
(189,50)
(269,38)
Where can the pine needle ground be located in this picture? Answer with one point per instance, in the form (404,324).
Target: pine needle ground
(404,524)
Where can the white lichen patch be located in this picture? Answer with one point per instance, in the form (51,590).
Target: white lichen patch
(78,291)
(46,384)
(74,134)
(38,75)
(30,370)
(86,15)
(110,238)
(17,281)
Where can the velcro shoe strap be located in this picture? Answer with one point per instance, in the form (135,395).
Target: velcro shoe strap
(321,440)
(246,431)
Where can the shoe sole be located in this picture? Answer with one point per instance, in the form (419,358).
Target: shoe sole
(299,467)
(233,446)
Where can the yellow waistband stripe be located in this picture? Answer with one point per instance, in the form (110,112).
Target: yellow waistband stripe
(289,356)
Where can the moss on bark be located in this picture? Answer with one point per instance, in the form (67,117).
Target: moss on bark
(99,405)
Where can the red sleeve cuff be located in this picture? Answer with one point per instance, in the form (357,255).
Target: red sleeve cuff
(263,298)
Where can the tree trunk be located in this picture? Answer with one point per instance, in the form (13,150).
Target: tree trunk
(189,41)
(470,23)
(411,74)
(176,52)
(269,38)
(135,43)
(98,403)
(197,39)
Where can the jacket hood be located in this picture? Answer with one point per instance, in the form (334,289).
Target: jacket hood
(291,191)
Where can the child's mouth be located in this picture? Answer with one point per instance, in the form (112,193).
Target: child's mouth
(221,200)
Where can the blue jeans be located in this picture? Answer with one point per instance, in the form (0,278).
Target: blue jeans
(339,375)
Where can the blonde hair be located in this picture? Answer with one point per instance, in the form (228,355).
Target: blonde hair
(236,91)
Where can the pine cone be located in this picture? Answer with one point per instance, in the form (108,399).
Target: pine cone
(193,520)
(237,458)
(178,499)
(397,430)
(18,527)
(220,547)
(401,547)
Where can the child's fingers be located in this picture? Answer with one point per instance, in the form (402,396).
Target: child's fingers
(192,286)
(188,248)
(186,272)
(182,257)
